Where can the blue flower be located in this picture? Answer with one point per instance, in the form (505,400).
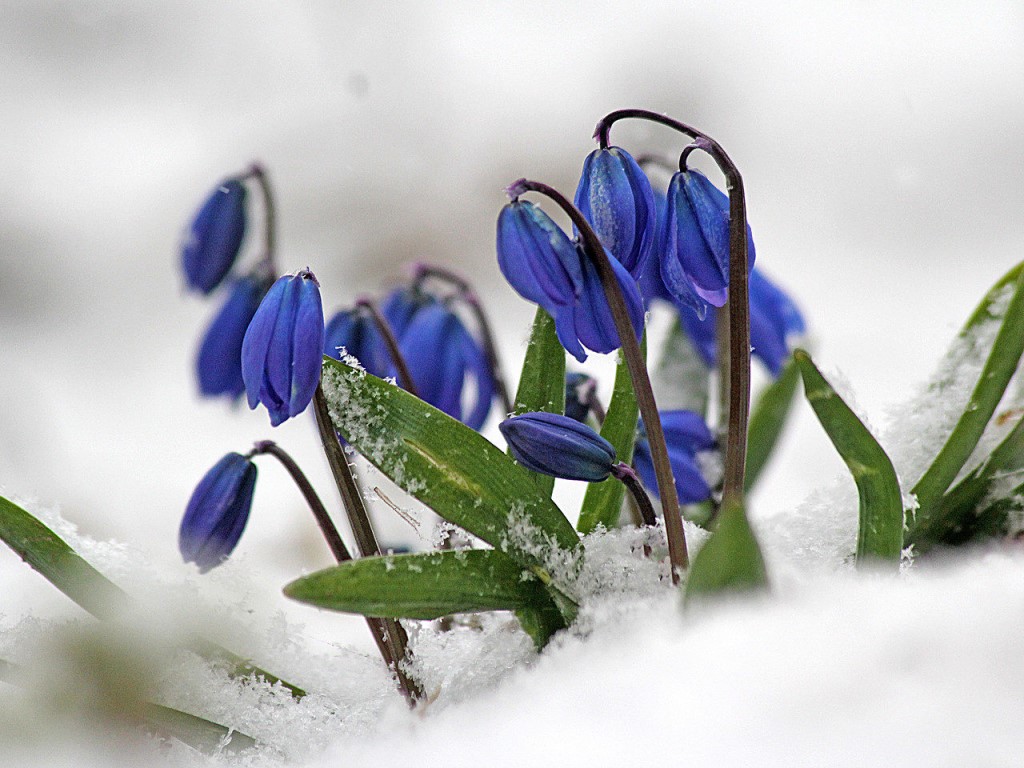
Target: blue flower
(357,333)
(217,512)
(282,352)
(686,435)
(579,387)
(215,237)
(695,246)
(615,196)
(652,286)
(774,318)
(442,356)
(219,362)
(544,266)
(558,445)
(401,304)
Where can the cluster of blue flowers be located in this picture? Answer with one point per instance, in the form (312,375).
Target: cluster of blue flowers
(672,246)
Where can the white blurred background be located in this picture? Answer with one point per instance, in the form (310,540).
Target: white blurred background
(880,145)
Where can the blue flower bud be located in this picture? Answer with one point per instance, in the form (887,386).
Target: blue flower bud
(219,362)
(282,352)
(442,356)
(686,435)
(578,389)
(357,333)
(401,304)
(615,196)
(215,237)
(695,256)
(557,445)
(217,512)
(774,319)
(537,258)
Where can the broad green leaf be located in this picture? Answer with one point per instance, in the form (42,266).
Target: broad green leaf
(767,419)
(999,368)
(880,530)
(542,381)
(958,516)
(430,585)
(602,502)
(456,472)
(59,564)
(730,560)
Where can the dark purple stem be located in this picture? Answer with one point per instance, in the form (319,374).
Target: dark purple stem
(631,480)
(384,328)
(258,172)
(737,371)
(388,631)
(637,367)
(330,532)
(468,295)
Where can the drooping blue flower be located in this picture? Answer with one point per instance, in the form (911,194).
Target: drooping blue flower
(357,333)
(217,512)
(214,237)
(579,387)
(695,246)
(401,304)
(219,361)
(686,435)
(774,319)
(558,445)
(544,266)
(615,196)
(282,352)
(442,357)
(652,286)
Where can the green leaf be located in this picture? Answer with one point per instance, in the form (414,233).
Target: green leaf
(204,735)
(542,381)
(986,309)
(602,502)
(681,379)
(456,472)
(59,564)
(430,585)
(999,368)
(880,530)
(730,560)
(958,516)
(767,419)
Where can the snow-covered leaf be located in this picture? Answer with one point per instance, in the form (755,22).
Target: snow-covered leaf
(456,472)
(430,585)
(880,529)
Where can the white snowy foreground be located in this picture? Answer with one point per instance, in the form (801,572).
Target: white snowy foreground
(831,668)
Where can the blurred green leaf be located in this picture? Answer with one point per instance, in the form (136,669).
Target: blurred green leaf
(542,381)
(430,585)
(456,472)
(602,502)
(59,564)
(999,368)
(880,530)
(986,309)
(767,419)
(681,379)
(730,560)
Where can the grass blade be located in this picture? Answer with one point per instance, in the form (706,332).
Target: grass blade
(542,381)
(730,560)
(880,529)
(767,420)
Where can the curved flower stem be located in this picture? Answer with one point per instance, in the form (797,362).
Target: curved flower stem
(384,328)
(637,372)
(425,271)
(258,172)
(738,371)
(629,478)
(327,527)
(388,632)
